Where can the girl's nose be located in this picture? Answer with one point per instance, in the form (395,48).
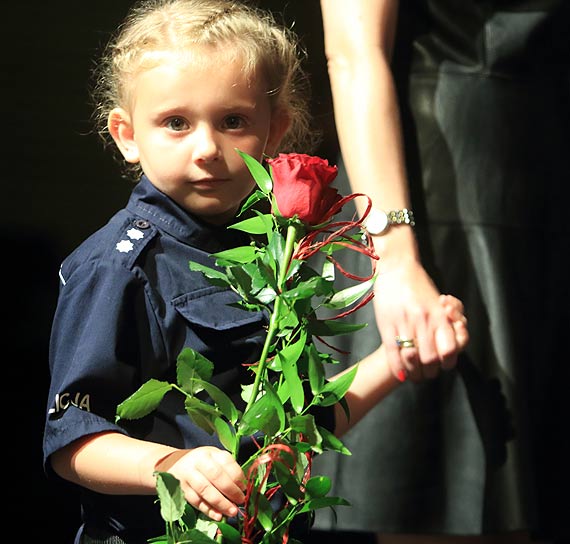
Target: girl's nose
(206,148)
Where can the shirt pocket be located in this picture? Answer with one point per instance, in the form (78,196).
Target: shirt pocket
(221,331)
(216,309)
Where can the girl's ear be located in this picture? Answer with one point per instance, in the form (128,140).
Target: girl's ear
(121,129)
(280,123)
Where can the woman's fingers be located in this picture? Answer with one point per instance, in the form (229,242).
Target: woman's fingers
(433,346)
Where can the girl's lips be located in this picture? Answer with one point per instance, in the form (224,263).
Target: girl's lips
(207,182)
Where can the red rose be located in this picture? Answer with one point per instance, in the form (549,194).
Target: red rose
(301,187)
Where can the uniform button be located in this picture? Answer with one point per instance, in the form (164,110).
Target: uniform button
(141,223)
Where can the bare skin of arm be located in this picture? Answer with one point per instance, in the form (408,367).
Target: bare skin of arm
(116,464)
(359,37)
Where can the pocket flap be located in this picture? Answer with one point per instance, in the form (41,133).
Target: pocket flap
(212,308)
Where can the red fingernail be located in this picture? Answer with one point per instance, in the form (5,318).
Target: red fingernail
(401,375)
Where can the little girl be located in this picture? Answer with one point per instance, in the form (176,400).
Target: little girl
(182,86)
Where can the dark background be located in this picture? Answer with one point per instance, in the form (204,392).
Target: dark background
(61,186)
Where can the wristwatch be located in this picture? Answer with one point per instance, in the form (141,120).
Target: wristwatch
(379,221)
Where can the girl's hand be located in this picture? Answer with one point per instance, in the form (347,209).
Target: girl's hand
(211,479)
(454,311)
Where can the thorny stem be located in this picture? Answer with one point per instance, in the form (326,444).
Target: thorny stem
(289,247)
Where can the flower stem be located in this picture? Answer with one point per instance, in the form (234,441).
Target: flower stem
(275,314)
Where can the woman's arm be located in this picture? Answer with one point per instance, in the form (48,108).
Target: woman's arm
(359,37)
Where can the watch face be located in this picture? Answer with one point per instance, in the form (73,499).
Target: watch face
(376,222)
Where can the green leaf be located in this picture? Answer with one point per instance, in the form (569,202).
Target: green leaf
(172,500)
(268,269)
(215,277)
(231,534)
(318,486)
(323,502)
(334,391)
(329,271)
(316,370)
(348,296)
(261,224)
(288,358)
(264,512)
(222,401)
(331,442)
(227,435)
(254,271)
(275,251)
(241,280)
(202,414)
(306,424)
(195,536)
(265,414)
(236,255)
(288,482)
(252,200)
(259,173)
(266,296)
(189,516)
(295,267)
(303,447)
(246,391)
(143,401)
(315,286)
(344,405)
(282,388)
(288,321)
(331,327)
(206,525)
(192,369)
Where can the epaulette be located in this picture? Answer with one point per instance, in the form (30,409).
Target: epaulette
(132,239)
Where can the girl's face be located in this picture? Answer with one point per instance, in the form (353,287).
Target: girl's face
(184,124)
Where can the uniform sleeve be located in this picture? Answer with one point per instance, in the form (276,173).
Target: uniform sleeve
(104,329)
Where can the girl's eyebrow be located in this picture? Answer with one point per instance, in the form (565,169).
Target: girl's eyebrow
(240,104)
(222,106)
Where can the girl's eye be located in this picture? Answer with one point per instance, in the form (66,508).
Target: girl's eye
(177,124)
(233,122)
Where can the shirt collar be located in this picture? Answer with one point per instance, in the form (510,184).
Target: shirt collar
(153,205)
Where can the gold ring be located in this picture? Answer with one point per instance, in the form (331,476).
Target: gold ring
(405,342)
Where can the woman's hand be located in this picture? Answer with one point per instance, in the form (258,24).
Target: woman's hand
(408,306)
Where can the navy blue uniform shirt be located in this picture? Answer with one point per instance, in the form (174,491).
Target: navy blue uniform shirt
(128,305)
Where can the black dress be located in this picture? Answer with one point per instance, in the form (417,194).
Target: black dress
(485,95)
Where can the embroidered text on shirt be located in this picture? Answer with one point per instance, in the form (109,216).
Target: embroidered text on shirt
(65,400)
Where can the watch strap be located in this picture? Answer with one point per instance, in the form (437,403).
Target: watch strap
(399,217)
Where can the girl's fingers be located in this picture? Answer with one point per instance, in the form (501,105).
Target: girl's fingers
(461,333)
(446,341)
(212,481)
(454,310)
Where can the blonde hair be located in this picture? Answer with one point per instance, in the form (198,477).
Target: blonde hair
(242,33)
